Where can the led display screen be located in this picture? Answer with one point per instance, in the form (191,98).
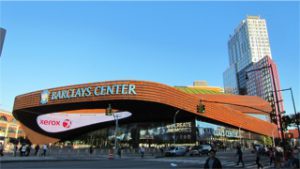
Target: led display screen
(60,122)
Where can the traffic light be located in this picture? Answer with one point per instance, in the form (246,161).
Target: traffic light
(201,108)
(108,111)
(273,118)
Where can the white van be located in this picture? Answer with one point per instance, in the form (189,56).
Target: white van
(176,151)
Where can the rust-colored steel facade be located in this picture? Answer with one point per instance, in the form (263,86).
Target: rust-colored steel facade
(152,102)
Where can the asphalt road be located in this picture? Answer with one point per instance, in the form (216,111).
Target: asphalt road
(228,160)
(118,163)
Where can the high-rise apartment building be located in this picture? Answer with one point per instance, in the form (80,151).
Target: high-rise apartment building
(251,68)
(249,43)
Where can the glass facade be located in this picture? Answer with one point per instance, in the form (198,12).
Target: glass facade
(230,80)
(163,134)
(143,133)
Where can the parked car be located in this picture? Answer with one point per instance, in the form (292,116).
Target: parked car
(200,150)
(176,151)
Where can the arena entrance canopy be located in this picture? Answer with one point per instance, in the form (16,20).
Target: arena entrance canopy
(61,113)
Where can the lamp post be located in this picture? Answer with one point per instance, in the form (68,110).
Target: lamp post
(174,123)
(116,129)
(276,96)
(109,113)
(294,106)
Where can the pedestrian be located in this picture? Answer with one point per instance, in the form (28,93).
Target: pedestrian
(28,149)
(44,150)
(289,158)
(119,152)
(37,148)
(212,161)
(20,150)
(23,149)
(161,151)
(239,153)
(258,156)
(91,149)
(15,149)
(278,157)
(296,163)
(1,149)
(142,151)
(272,155)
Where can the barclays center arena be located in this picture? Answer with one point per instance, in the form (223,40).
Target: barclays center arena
(134,113)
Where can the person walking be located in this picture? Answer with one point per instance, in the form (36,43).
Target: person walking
(28,149)
(278,157)
(23,149)
(161,151)
(37,148)
(289,158)
(212,162)
(1,149)
(15,149)
(142,151)
(44,149)
(258,156)
(91,150)
(239,153)
(119,152)
(296,155)
(272,155)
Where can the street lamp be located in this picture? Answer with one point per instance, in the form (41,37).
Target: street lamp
(116,117)
(174,123)
(276,95)
(109,113)
(295,112)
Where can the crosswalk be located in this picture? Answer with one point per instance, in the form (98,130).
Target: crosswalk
(200,162)
(231,164)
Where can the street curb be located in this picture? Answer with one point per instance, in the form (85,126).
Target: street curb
(48,159)
(65,159)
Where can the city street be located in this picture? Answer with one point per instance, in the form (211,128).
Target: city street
(228,160)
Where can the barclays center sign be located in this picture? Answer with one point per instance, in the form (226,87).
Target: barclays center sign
(104,90)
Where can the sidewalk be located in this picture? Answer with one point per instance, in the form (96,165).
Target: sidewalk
(69,157)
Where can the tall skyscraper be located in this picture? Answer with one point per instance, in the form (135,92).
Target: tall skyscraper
(251,68)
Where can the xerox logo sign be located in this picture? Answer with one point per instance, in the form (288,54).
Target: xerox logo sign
(67,123)
(50,122)
(61,122)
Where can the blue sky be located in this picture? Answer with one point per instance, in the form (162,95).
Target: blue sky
(51,44)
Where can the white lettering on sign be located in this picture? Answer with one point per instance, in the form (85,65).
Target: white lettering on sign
(61,122)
